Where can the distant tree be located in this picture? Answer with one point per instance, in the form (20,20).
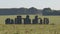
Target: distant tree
(32,10)
(22,10)
(46,11)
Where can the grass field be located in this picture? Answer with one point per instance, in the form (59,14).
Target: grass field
(30,28)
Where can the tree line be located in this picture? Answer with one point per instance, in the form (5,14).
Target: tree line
(32,10)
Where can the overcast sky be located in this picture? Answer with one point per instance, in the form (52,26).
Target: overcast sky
(40,4)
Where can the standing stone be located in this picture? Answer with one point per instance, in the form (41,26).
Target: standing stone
(18,20)
(27,20)
(8,21)
(12,21)
(41,21)
(35,21)
(46,21)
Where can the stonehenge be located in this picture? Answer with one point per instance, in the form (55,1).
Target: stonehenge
(27,20)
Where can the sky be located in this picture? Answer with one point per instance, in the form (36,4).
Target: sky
(39,4)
